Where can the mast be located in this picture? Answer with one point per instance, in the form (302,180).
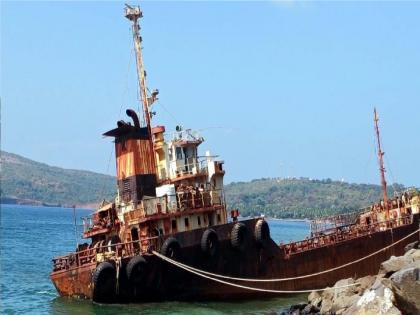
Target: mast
(381,163)
(134,14)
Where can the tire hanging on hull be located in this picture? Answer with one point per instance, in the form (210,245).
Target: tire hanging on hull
(210,243)
(136,270)
(239,237)
(104,282)
(262,233)
(171,248)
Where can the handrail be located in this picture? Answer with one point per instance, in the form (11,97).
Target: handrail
(89,254)
(200,164)
(190,198)
(343,233)
(187,135)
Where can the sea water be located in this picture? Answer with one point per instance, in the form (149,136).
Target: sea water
(31,236)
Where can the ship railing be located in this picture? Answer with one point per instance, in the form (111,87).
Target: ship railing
(400,201)
(197,166)
(100,252)
(188,199)
(326,223)
(87,223)
(186,135)
(93,225)
(343,233)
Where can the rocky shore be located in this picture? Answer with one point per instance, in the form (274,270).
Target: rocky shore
(394,290)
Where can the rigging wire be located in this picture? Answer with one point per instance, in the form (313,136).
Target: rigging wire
(126,85)
(107,169)
(174,119)
(394,182)
(123,99)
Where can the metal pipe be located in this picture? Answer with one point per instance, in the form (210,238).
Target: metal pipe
(131,113)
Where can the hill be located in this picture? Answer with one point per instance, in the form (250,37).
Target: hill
(24,181)
(301,197)
(29,182)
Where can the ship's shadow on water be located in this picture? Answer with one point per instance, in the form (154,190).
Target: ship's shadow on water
(61,305)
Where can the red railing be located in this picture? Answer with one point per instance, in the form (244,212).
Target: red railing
(186,200)
(343,233)
(106,251)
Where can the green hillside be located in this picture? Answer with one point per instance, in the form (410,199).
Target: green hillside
(301,198)
(30,182)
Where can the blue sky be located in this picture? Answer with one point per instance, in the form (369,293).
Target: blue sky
(276,88)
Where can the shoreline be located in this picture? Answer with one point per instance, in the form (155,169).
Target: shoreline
(82,207)
(289,220)
(93,206)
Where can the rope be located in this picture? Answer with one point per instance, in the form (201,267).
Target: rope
(285,279)
(243,286)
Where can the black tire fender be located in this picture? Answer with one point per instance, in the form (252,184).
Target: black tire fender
(262,232)
(171,248)
(104,280)
(136,269)
(239,237)
(210,242)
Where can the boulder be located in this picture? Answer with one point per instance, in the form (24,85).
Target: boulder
(396,290)
(297,308)
(313,295)
(406,285)
(394,264)
(310,309)
(344,297)
(343,302)
(327,301)
(414,254)
(411,246)
(314,298)
(348,288)
(364,283)
(378,300)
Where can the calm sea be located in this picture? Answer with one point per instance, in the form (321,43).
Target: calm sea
(31,236)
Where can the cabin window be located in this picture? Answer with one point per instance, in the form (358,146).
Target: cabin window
(178,151)
(198,220)
(205,219)
(219,218)
(174,225)
(187,223)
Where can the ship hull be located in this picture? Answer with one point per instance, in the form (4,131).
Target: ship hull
(167,282)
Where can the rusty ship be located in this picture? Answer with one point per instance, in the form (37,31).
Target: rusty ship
(168,235)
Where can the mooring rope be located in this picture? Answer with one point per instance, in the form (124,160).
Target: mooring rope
(283,279)
(246,287)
